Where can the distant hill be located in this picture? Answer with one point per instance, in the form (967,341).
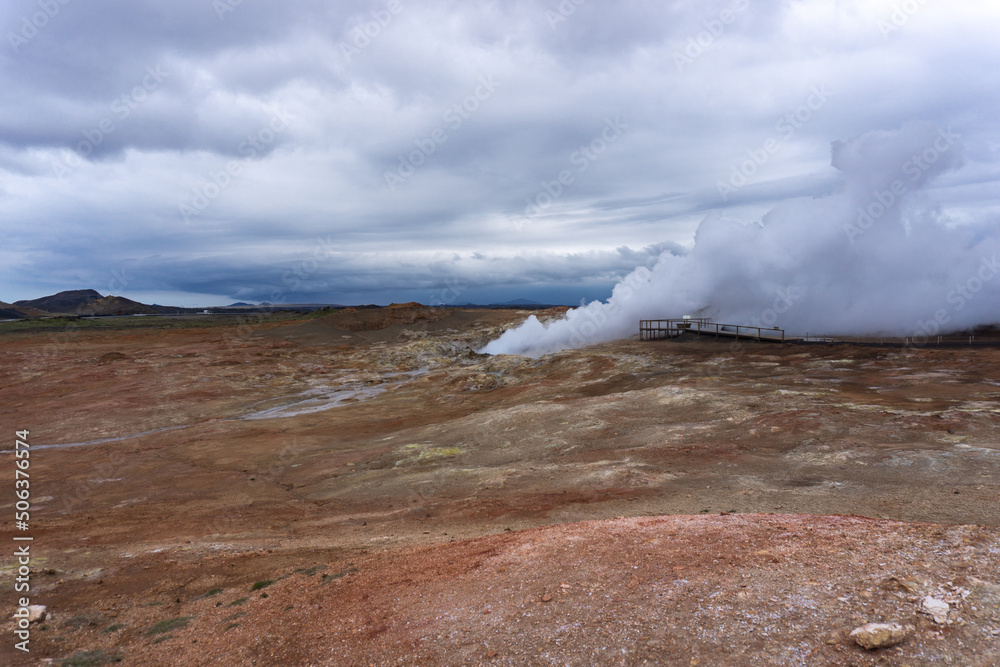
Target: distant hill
(63,302)
(119,305)
(9,311)
(239,303)
(520,302)
(87,302)
(10,314)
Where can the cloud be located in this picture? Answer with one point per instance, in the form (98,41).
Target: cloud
(119,119)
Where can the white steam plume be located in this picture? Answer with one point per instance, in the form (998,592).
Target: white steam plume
(869,259)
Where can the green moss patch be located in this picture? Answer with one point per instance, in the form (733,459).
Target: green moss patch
(214,591)
(169,625)
(90,659)
(427,453)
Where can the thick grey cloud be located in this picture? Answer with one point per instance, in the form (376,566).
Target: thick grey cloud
(208,146)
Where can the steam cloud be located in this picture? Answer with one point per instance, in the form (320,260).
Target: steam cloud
(871,259)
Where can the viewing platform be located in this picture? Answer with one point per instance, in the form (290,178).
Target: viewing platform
(663,329)
(703,326)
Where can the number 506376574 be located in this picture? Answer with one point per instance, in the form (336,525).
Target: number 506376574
(22,452)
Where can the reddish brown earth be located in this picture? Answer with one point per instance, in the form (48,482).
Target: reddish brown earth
(431,515)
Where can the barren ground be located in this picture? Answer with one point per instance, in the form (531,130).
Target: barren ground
(412,502)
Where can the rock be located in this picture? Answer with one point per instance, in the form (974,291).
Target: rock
(880,635)
(37,613)
(904,584)
(935,607)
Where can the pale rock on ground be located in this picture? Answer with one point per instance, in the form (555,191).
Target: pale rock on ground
(936,608)
(37,613)
(880,635)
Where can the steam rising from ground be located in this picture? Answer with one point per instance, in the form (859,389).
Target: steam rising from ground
(873,258)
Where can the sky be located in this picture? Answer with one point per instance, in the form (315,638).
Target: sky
(200,152)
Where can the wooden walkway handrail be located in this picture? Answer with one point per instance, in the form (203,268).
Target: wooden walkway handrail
(670,328)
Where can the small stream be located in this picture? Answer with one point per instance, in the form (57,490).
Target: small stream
(316,399)
(104,440)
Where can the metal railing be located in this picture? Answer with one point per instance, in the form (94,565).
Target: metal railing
(660,329)
(671,328)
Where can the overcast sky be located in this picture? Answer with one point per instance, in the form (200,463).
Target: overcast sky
(198,152)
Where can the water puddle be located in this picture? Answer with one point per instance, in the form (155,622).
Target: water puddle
(325,397)
(315,400)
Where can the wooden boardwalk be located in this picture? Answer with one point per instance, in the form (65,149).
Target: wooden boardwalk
(662,329)
(703,326)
